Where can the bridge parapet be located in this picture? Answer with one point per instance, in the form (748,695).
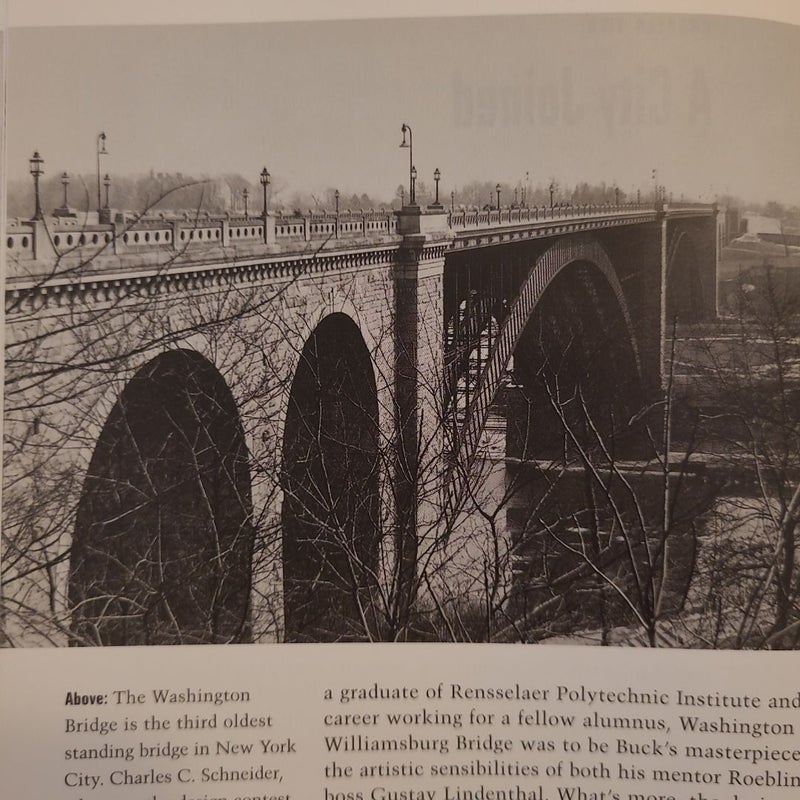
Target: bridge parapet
(65,246)
(58,244)
(466,219)
(520,215)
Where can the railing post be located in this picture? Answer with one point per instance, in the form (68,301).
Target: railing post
(41,242)
(176,234)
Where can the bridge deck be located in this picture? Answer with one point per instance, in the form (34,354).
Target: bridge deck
(61,251)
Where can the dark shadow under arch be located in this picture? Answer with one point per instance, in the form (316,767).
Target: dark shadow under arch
(559,257)
(163,537)
(577,347)
(330,483)
(578,423)
(685,296)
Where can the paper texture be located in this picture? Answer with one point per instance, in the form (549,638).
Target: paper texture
(529,377)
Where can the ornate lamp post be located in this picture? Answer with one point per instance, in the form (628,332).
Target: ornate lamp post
(436,178)
(497,189)
(65,183)
(616,196)
(107,184)
(101,151)
(246,195)
(36,162)
(552,189)
(265,178)
(336,200)
(452,201)
(412,199)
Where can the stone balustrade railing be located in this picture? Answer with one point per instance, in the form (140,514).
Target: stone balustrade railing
(80,238)
(487,218)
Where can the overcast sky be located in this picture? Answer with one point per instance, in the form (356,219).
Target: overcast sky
(711,103)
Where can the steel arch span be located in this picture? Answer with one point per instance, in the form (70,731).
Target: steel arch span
(548,266)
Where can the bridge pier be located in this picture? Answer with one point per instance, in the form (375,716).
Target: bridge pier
(419,369)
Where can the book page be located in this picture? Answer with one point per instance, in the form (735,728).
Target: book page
(434,369)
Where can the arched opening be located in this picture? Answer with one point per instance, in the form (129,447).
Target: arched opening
(163,536)
(577,521)
(330,483)
(577,363)
(685,297)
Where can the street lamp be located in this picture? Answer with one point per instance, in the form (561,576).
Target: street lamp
(616,196)
(107,184)
(552,188)
(246,195)
(265,178)
(36,162)
(336,200)
(412,199)
(436,178)
(452,201)
(497,189)
(65,183)
(101,151)
(413,195)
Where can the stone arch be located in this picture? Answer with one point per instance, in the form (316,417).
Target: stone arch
(335,302)
(163,535)
(330,481)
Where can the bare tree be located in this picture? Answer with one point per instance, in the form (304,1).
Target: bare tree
(748,368)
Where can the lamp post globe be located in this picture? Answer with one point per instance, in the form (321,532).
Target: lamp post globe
(101,151)
(36,170)
(265,179)
(406,129)
(65,184)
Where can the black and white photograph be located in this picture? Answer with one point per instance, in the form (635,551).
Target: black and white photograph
(446,329)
